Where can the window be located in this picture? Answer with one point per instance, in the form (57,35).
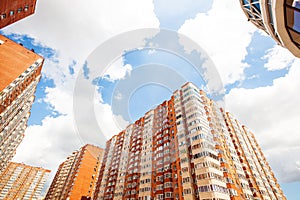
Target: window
(26,8)
(19,10)
(168,194)
(3,16)
(187,191)
(11,13)
(185,169)
(186,180)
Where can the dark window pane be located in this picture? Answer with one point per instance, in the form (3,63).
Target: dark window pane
(297,20)
(257,6)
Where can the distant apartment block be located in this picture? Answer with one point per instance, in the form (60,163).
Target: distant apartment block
(14,10)
(20,72)
(186,148)
(77,176)
(20,181)
(280,19)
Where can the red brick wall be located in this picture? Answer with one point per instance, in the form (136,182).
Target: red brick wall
(19,8)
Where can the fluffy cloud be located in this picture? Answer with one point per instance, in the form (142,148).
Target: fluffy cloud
(76,32)
(118,70)
(272,112)
(278,58)
(172,17)
(225,34)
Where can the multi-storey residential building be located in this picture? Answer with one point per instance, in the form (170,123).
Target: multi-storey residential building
(20,181)
(259,175)
(278,18)
(20,72)
(185,148)
(77,176)
(14,10)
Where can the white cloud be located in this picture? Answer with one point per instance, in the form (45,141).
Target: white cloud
(225,34)
(56,143)
(118,95)
(110,124)
(118,70)
(76,28)
(278,58)
(174,16)
(181,8)
(272,112)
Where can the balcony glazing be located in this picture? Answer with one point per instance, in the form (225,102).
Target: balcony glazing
(292,20)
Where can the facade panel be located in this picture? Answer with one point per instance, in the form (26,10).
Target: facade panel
(20,181)
(77,176)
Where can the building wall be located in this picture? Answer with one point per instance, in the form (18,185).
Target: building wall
(259,175)
(133,157)
(185,148)
(20,181)
(14,10)
(77,176)
(234,176)
(20,72)
(59,187)
(202,177)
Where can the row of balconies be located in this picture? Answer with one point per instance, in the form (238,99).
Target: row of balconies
(14,122)
(18,102)
(30,73)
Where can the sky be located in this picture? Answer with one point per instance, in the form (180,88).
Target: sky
(125,55)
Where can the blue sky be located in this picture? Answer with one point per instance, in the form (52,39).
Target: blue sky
(242,54)
(256,74)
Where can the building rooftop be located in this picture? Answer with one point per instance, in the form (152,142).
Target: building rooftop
(14,60)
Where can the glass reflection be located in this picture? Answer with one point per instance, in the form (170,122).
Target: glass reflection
(296,4)
(292,11)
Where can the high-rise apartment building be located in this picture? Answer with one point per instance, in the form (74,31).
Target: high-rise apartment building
(278,18)
(186,148)
(14,10)
(20,72)
(20,181)
(77,176)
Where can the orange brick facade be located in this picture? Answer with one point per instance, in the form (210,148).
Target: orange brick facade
(76,177)
(12,11)
(20,181)
(20,72)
